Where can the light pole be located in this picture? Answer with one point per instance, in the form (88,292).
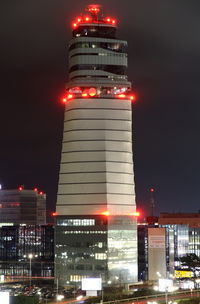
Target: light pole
(166,295)
(30,270)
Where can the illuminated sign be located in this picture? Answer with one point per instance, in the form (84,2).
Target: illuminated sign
(4,297)
(91,284)
(183,274)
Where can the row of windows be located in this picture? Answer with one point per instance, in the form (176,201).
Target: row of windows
(78,222)
(113,78)
(115,47)
(100,54)
(95,31)
(86,267)
(84,232)
(110,68)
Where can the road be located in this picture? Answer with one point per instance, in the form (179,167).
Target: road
(162,299)
(144,301)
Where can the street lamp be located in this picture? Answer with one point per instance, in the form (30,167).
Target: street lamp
(30,256)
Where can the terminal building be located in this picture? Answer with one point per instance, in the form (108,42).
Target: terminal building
(96,221)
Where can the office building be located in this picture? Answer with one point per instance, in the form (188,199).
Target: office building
(22,206)
(20,243)
(96,227)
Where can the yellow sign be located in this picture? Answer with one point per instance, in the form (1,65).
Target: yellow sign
(183,274)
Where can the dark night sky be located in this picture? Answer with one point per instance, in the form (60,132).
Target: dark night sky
(164,62)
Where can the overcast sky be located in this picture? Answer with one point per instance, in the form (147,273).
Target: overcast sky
(164,63)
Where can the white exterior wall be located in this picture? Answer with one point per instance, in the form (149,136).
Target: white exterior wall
(96,171)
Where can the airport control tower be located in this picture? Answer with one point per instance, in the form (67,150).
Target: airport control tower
(96,231)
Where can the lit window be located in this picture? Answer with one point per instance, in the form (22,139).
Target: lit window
(100,256)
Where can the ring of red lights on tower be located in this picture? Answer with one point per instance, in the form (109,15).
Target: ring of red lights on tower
(94,10)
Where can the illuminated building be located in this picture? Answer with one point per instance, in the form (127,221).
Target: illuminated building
(190,219)
(22,206)
(18,242)
(96,231)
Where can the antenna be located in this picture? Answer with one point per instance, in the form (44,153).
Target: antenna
(152,201)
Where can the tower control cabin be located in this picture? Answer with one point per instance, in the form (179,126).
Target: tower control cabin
(96,231)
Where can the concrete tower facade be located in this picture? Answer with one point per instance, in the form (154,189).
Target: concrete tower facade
(96,232)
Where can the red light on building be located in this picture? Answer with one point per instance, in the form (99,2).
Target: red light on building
(20,188)
(108,19)
(136,214)
(79,20)
(87,19)
(54,213)
(94,8)
(84,94)
(113,21)
(74,25)
(106,213)
(41,193)
(64,100)
(152,190)
(35,189)
(132,97)
(92,92)
(70,96)
(121,96)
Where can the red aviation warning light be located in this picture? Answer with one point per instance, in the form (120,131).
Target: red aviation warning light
(66,98)
(121,96)
(35,189)
(20,188)
(106,213)
(152,190)
(132,97)
(92,92)
(54,213)
(94,8)
(85,94)
(136,214)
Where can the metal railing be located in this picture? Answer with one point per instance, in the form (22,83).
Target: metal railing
(195,293)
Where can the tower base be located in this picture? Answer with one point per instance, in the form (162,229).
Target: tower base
(96,246)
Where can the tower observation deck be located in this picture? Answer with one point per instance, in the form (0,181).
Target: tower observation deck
(96,231)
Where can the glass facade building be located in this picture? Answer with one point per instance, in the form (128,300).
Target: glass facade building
(95,246)
(18,242)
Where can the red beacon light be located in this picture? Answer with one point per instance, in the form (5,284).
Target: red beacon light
(136,214)
(113,21)
(108,19)
(66,98)
(94,8)
(132,97)
(87,19)
(41,193)
(35,189)
(106,213)
(79,20)
(74,25)
(20,188)
(92,92)
(85,94)
(121,96)
(152,190)
(54,213)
